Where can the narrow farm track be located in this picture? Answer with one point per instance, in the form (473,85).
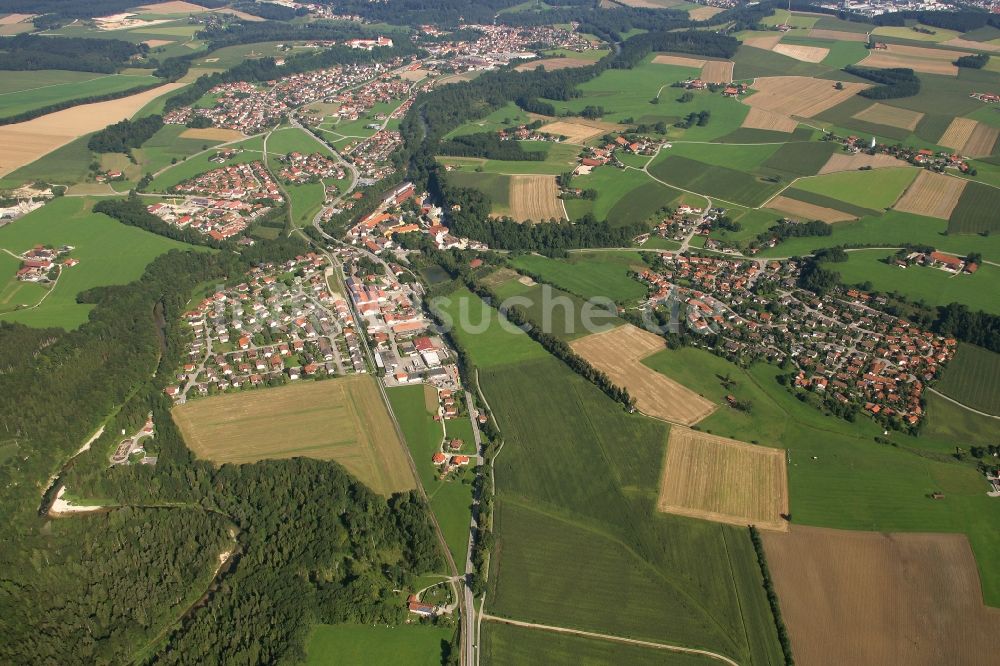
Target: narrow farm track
(956,402)
(608,637)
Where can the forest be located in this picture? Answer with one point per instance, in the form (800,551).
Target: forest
(488,145)
(893,83)
(31,52)
(125,135)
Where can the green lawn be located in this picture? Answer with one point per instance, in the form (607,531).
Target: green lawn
(166,145)
(506,116)
(451,500)
(478,329)
(973,378)
(109,253)
(719,182)
(306,200)
(362,645)
(980,291)
(494,185)
(976,211)
(556,311)
(589,274)
(559,158)
(292,139)
(24,91)
(875,189)
(624,192)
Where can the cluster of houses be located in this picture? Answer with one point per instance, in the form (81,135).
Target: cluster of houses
(282,323)
(919,156)
(498,45)
(841,347)
(945,262)
(732,89)
(596,156)
(371,156)
(135,444)
(223,202)
(376,230)
(684,221)
(41,263)
(989,98)
(308,168)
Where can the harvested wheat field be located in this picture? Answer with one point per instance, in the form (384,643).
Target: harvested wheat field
(618,353)
(25,142)
(173,7)
(535,198)
(682,61)
(931,194)
(341,419)
(799,95)
(703,13)
(872,598)
(969,44)
(212,134)
(969,137)
(724,480)
(767,42)
(803,53)
(801,210)
(153,43)
(887,60)
(579,130)
(12,19)
(853,162)
(769,120)
(883,114)
(717,71)
(549,64)
(837,35)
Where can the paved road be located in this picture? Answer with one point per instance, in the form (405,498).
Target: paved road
(469,624)
(616,639)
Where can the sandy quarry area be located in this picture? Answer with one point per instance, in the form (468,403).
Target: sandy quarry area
(26,142)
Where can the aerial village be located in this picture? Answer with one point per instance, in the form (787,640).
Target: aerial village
(41,264)
(841,348)
(223,202)
(283,323)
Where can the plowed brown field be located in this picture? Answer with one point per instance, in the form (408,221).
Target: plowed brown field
(618,353)
(931,194)
(724,480)
(871,598)
(577,130)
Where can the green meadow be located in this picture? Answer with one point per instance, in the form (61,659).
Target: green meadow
(362,645)
(109,253)
(875,189)
(589,274)
(559,158)
(973,378)
(494,185)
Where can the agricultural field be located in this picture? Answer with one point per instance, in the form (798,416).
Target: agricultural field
(973,379)
(856,161)
(724,480)
(23,91)
(803,210)
(109,253)
(799,95)
(873,190)
(589,274)
(535,198)
(718,182)
(559,158)
(340,419)
(976,212)
(931,194)
(867,589)
(362,645)
(451,499)
(619,353)
(494,185)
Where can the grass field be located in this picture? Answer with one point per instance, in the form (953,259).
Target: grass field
(292,139)
(167,145)
(976,211)
(109,253)
(589,274)
(494,185)
(559,158)
(306,200)
(362,645)
(339,419)
(198,164)
(623,197)
(873,189)
(25,93)
(724,480)
(508,644)
(973,378)
(451,500)
(931,285)
(719,182)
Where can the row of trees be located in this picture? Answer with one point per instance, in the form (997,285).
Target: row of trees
(772,597)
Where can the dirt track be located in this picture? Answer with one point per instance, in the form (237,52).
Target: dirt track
(873,598)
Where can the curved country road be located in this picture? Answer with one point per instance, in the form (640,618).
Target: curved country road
(607,637)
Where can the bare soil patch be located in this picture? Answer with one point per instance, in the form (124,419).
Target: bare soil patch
(871,598)
(724,480)
(173,7)
(769,120)
(931,194)
(25,142)
(766,42)
(802,210)
(837,35)
(884,60)
(577,130)
(803,53)
(340,419)
(882,114)
(619,353)
(549,64)
(212,133)
(681,61)
(153,43)
(718,71)
(11,19)
(799,95)
(535,198)
(924,52)
(849,162)
(413,74)
(703,13)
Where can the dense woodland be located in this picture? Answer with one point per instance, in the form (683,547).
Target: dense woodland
(79,54)
(123,136)
(489,146)
(892,83)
